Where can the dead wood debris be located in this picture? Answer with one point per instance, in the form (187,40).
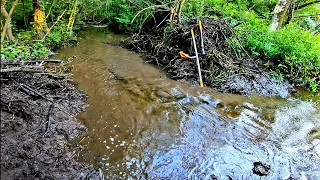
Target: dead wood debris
(226,66)
(37,121)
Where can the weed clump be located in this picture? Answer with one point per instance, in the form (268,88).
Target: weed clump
(291,52)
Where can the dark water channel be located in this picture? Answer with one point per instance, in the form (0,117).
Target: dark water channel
(143,125)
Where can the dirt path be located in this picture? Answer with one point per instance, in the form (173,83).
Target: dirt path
(37,121)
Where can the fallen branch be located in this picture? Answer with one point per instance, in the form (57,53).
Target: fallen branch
(23,69)
(50,112)
(57,76)
(33,92)
(150,7)
(59,17)
(8,62)
(307,4)
(45,60)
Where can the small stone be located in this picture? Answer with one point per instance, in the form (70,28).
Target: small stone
(261,169)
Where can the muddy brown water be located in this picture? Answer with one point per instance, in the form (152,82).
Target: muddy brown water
(143,125)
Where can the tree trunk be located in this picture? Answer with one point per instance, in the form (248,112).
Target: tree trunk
(280,13)
(7,30)
(72,18)
(297,7)
(180,10)
(40,25)
(176,12)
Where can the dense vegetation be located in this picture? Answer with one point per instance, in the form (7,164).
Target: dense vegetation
(292,51)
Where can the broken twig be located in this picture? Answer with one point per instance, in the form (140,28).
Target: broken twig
(34,92)
(50,112)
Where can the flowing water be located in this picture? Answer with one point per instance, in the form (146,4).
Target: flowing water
(143,125)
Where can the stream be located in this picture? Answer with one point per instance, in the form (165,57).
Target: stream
(144,125)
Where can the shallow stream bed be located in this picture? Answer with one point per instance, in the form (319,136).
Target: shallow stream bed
(144,125)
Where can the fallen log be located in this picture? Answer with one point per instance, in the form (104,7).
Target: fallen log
(46,60)
(23,69)
(16,62)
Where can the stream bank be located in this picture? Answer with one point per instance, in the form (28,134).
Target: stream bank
(37,121)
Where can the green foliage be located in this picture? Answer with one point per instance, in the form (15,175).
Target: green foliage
(60,37)
(92,10)
(229,10)
(121,13)
(39,50)
(22,16)
(294,51)
(307,18)
(27,45)
(194,8)
(118,13)
(25,52)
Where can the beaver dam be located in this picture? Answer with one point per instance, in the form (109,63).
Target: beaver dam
(225,66)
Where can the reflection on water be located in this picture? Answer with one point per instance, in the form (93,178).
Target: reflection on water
(144,125)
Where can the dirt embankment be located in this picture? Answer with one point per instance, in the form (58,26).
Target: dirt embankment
(37,121)
(225,66)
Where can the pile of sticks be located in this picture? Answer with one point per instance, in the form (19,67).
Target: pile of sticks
(225,57)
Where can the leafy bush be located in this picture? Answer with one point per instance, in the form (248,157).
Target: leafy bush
(25,52)
(121,13)
(294,51)
(229,10)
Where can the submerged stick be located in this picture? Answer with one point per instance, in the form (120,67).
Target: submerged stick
(101,174)
(198,62)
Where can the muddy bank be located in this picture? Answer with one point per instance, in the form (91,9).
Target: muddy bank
(225,65)
(37,121)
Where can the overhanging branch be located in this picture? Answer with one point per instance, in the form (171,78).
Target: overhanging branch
(307,4)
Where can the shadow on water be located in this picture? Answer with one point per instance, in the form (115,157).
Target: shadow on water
(144,125)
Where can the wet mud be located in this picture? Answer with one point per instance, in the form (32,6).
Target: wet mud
(37,121)
(144,125)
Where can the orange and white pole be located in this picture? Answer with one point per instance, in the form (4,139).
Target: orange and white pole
(198,62)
